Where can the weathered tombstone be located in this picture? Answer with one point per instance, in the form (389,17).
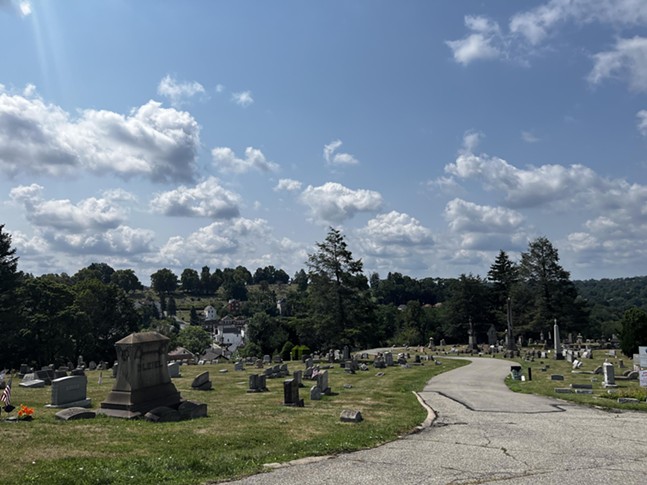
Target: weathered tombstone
(558,345)
(609,375)
(283,370)
(115,368)
(192,410)
(24,369)
(174,369)
(297,375)
(32,383)
(253,383)
(291,394)
(346,353)
(59,373)
(202,382)
(388,359)
(277,359)
(309,362)
(143,381)
(92,365)
(259,364)
(72,414)
(315,393)
(491,335)
(351,416)
(45,375)
(267,359)
(322,382)
(556,377)
(379,362)
(515,372)
(163,414)
(238,366)
(70,391)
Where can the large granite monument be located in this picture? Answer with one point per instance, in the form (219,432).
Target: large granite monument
(143,382)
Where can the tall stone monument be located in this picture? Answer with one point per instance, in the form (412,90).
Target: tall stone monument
(558,344)
(471,337)
(143,382)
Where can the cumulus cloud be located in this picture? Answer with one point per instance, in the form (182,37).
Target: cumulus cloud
(628,59)
(289,185)
(394,233)
(90,226)
(206,199)
(228,240)
(62,214)
(178,91)
(526,187)
(483,43)
(225,160)
(334,203)
(333,157)
(151,141)
(243,98)
(466,216)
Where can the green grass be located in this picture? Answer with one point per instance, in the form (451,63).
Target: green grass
(242,432)
(606,398)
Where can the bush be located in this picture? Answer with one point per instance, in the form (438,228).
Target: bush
(286,350)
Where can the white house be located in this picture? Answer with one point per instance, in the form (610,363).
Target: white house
(229,332)
(210,313)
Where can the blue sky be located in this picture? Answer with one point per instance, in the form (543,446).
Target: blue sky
(155,134)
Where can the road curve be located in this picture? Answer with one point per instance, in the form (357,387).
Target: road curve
(485,433)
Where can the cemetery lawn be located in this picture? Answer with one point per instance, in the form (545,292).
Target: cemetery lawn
(604,398)
(243,431)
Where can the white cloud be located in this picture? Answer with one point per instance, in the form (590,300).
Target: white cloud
(207,199)
(243,98)
(151,141)
(119,195)
(627,60)
(225,160)
(122,240)
(334,203)
(529,137)
(220,88)
(63,215)
(178,92)
(339,158)
(527,187)
(642,122)
(394,233)
(483,43)
(227,241)
(466,216)
(288,184)
(471,140)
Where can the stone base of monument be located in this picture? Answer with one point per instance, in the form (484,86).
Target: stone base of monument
(136,403)
(84,403)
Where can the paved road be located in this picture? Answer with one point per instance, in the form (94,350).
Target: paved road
(484,434)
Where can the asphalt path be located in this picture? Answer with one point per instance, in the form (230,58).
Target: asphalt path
(484,433)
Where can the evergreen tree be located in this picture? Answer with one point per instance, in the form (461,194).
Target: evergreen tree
(338,294)
(9,281)
(503,274)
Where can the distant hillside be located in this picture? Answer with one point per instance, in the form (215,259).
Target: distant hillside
(610,298)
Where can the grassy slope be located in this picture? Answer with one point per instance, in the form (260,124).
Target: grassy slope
(542,384)
(242,432)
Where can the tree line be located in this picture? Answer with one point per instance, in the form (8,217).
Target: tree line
(328,304)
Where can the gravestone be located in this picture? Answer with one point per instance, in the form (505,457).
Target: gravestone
(45,374)
(32,383)
(192,410)
(115,368)
(346,353)
(202,382)
(388,359)
(297,375)
(70,391)
(351,416)
(556,377)
(291,394)
(257,383)
(322,382)
(174,369)
(238,366)
(93,365)
(163,414)
(72,414)
(267,359)
(315,393)
(143,381)
(491,335)
(609,375)
(558,344)
(24,369)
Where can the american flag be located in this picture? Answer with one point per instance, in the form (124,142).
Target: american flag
(6,394)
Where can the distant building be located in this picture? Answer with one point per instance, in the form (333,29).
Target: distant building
(229,332)
(210,313)
(234,306)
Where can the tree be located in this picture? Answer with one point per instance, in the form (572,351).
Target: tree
(9,279)
(300,279)
(195,339)
(126,279)
(468,301)
(338,294)
(266,332)
(164,281)
(190,281)
(171,306)
(634,331)
(98,271)
(549,288)
(503,274)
